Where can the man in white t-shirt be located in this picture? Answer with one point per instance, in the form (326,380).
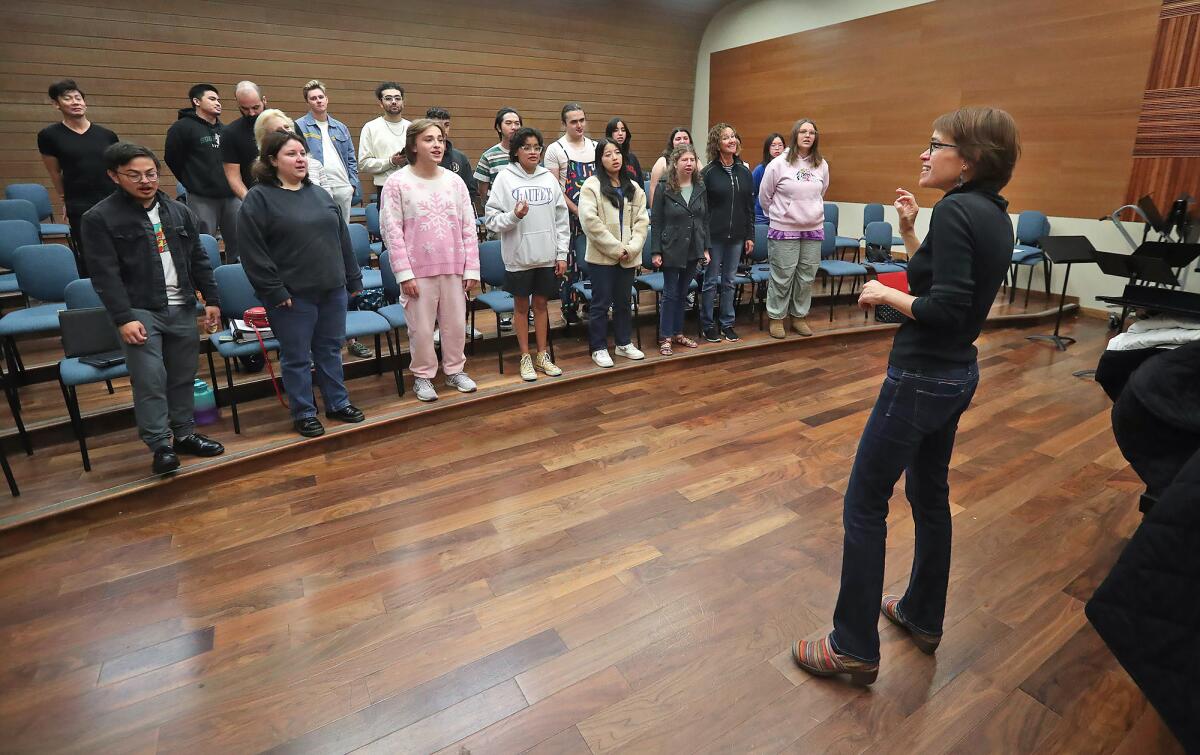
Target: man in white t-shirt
(381,143)
(572,159)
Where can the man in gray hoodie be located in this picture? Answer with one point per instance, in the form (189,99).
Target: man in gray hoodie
(526,207)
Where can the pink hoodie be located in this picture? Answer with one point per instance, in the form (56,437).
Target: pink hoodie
(792,195)
(428,226)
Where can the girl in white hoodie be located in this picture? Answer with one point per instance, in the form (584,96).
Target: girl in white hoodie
(526,207)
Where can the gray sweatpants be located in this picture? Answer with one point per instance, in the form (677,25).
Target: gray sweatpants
(218,213)
(794,265)
(162,371)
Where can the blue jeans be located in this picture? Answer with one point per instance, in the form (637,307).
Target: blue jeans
(310,334)
(676,281)
(911,430)
(611,287)
(722,269)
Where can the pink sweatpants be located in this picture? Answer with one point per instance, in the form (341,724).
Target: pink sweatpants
(441,300)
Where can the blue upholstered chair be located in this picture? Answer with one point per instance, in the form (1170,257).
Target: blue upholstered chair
(372,213)
(873,213)
(833,215)
(43,272)
(1032,227)
(878,236)
(393,313)
(72,373)
(237,295)
(14,234)
(212,250)
(837,269)
(491,275)
(360,240)
(20,209)
(40,197)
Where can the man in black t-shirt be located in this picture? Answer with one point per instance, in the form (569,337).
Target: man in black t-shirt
(73,152)
(239,150)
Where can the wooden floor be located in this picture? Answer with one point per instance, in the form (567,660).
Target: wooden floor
(53,479)
(616,568)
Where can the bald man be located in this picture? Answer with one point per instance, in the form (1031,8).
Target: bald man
(238,148)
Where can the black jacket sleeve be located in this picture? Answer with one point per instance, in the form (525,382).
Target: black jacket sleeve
(706,245)
(950,297)
(658,223)
(255,254)
(201,268)
(353,272)
(105,268)
(747,200)
(174,152)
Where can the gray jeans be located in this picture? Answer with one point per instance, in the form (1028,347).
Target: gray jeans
(794,265)
(218,213)
(162,371)
(343,195)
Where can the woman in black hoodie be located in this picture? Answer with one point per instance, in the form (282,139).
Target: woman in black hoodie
(730,229)
(932,374)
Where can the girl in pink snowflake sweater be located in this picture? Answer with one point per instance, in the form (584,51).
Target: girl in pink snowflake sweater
(428,226)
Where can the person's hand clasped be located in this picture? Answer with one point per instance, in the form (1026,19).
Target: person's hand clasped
(656,260)
(560,268)
(873,293)
(399,159)
(133,333)
(409,288)
(521,210)
(907,208)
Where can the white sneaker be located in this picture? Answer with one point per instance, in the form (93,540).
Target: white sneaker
(460,381)
(424,389)
(527,372)
(601,358)
(629,351)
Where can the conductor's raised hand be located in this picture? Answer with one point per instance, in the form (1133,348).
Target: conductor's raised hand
(907,208)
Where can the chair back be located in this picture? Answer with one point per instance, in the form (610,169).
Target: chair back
(391,287)
(19,209)
(1032,227)
(878,234)
(760,243)
(646,245)
(87,331)
(491,264)
(235,291)
(829,243)
(579,246)
(81,294)
(35,193)
(360,240)
(211,249)
(584,267)
(44,270)
(15,234)
(373,221)
(872,213)
(832,214)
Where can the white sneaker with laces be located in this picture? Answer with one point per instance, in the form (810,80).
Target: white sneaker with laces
(460,381)
(629,351)
(527,371)
(601,358)
(424,389)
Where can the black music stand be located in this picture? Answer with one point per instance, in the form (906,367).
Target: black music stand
(1064,250)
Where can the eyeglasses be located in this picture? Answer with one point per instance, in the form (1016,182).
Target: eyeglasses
(390,98)
(935,145)
(137,178)
(535,148)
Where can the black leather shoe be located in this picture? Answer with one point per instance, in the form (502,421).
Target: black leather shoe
(198,445)
(309,427)
(348,413)
(165,460)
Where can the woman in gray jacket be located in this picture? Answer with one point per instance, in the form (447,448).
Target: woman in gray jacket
(679,240)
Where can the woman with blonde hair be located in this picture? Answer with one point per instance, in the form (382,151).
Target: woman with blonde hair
(792,195)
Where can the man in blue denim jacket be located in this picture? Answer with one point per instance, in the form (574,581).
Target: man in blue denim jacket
(323,131)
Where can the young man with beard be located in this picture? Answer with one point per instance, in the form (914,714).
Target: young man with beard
(193,153)
(381,143)
(329,141)
(73,150)
(495,158)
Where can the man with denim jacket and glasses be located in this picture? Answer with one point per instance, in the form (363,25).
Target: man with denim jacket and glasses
(144,253)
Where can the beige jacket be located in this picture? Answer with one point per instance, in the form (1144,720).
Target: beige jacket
(606,236)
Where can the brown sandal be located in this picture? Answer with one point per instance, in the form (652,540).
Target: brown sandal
(685,341)
(664,347)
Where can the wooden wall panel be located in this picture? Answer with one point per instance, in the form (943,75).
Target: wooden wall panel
(1071,72)
(136,61)
(1166,155)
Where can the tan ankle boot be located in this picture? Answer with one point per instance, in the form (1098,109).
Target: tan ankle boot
(776,328)
(800,325)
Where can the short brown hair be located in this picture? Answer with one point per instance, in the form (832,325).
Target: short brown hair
(415,129)
(272,144)
(987,138)
(314,84)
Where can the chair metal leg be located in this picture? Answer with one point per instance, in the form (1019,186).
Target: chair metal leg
(237,426)
(637,320)
(500,339)
(1028,286)
(109,384)
(395,362)
(549,335)
(472,333)
(212,371)
(14,405)
(8,474)
(399,365)
(378,357)
(72,400)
